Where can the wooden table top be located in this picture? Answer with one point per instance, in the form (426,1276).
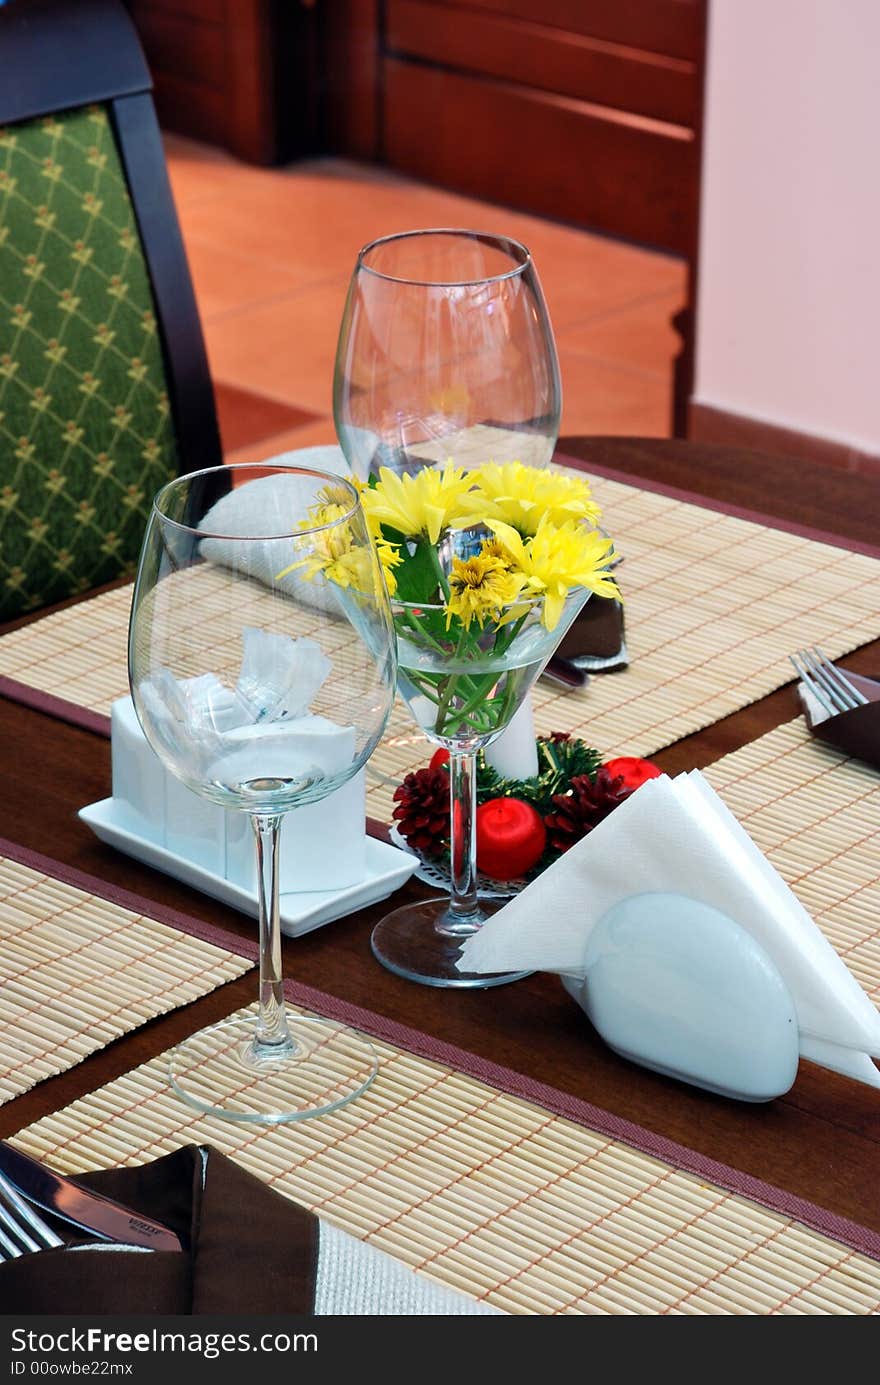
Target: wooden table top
(821,1141)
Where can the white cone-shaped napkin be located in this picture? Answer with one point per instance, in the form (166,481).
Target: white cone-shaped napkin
(678,836)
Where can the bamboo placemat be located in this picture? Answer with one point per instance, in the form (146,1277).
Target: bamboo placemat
(714,604)
(499,1197)
(816,815)
(79,968)
(546,1204)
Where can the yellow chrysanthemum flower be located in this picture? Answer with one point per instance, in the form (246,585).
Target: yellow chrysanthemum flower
(479,588)
(555,559)
(389,553)
(389,557)
(426,503)
(327,545)
(352,569)
(522,495)
(334,550)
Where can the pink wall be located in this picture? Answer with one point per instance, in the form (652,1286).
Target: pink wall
(788,327)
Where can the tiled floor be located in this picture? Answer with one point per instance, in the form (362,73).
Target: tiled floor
(271,251)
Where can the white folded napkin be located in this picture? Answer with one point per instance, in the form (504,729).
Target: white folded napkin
(271,505)
(677,836)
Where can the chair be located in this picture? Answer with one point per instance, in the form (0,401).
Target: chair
(104,386)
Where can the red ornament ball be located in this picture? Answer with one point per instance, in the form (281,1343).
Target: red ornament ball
(511,838)
(439,758)
(632,770)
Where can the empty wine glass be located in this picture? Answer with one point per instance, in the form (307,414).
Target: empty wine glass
(263,686)
(445,352)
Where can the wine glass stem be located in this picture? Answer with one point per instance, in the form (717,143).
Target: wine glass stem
(463,917)
(272,1031)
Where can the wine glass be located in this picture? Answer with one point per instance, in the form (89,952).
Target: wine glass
(445,352)
(462,693)
(263,686)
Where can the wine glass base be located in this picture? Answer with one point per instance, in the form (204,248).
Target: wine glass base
(221,1072)
(407,942)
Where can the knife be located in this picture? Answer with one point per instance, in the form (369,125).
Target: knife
(79,1206)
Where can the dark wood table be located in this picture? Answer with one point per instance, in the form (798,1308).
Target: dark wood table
(821,1141)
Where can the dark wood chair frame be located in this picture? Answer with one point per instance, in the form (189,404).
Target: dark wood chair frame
(58,55)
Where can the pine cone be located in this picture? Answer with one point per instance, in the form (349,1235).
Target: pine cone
(581,809)
(422,813)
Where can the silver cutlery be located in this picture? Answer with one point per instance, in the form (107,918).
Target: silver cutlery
(33,1183)
(22,1230)
(828,684)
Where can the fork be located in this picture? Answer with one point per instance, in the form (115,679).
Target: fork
(828,684)
(21,1229)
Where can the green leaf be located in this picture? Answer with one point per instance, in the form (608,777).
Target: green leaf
(416,575)
(558,763)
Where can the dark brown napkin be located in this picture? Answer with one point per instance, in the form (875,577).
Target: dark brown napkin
(596,636)
(856,732)
(249,1250)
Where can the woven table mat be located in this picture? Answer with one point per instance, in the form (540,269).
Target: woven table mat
(503,1199)
(714,604)
(533,1199)
(816,815)
(79,966)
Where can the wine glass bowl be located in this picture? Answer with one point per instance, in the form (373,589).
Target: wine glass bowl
(445,352)
(264,686)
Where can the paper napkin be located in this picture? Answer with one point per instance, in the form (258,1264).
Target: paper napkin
(677,836)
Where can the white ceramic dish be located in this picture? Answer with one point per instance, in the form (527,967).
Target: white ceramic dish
(387,869)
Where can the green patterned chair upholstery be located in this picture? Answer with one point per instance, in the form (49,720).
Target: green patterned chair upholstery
(87,430)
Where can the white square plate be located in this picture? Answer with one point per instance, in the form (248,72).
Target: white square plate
(387,869)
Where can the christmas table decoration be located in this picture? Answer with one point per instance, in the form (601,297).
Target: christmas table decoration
(571,794)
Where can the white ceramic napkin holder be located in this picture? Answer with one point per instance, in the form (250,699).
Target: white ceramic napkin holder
(687,949)
(323,844)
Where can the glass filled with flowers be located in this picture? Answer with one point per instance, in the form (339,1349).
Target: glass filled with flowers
(486,570)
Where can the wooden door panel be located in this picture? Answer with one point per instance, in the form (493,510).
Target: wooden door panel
(537,55)
(544,153)
(673,27)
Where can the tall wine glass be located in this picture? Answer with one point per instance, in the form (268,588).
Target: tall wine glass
(462,695)
(445,352)
(263,691)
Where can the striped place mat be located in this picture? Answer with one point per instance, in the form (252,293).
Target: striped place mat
(816,815)
(501,1198)
(714,604)
(496,1185)
(82,964)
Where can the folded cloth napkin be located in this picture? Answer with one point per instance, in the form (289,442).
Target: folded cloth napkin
(249,1250)
(673,840)
(856,732)
(270,505)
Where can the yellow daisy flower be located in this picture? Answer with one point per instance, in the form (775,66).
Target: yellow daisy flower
(555,559)
(389,557)
(521,495)
(480,587)
(328,544)
(334,550)
(426,503)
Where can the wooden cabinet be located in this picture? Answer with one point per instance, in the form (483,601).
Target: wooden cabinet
(584,110)
(238,73)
